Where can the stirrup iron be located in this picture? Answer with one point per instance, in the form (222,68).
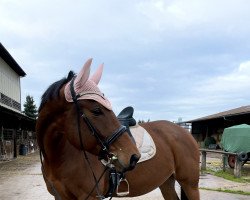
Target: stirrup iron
(123,193)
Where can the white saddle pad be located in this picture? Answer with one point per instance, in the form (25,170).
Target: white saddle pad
(144,142)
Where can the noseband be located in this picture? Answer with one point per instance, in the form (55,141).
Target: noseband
(104,143)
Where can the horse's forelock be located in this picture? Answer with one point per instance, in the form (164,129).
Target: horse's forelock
(71,74)
(53,90)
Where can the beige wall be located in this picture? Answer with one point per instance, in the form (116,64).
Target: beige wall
(9,82)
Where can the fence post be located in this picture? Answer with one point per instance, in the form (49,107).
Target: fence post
(15,143)
(1,134)
(237,167)
(1,142)
(203,160)
(224,161)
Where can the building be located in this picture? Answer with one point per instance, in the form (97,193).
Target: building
(10,87)
(15,127)
(212,126)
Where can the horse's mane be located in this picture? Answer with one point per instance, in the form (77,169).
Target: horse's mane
(53,90)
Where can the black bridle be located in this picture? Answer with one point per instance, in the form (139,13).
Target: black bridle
(104,143)
(114,176)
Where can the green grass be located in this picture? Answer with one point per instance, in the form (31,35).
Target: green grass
(227,191)
(230,177)
(226,175)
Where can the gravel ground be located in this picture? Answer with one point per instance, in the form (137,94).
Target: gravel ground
(22,179)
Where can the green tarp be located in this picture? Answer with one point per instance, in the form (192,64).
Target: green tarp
(236,138)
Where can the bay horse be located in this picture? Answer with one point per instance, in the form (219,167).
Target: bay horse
(76,128)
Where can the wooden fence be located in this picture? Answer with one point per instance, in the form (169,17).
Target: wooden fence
(238,163)
(12,141)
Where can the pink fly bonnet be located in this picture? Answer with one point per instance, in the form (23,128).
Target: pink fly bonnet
(87,88)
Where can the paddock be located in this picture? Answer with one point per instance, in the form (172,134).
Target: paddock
(21,178)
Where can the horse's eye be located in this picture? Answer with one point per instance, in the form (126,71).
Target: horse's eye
(97,111)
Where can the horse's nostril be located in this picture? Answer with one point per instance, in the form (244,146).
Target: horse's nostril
(133,160)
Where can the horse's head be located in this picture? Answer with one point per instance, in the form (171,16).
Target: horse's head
(85,118)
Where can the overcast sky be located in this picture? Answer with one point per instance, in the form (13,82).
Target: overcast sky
(167,59)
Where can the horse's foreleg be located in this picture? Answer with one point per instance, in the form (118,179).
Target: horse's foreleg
(168,189)
(189,191)
(183,195)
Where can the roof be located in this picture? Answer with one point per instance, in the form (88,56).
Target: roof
(236,111)
(13,112)
(5,55)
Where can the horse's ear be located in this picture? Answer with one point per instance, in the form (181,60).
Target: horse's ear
(96,77)
(83,75)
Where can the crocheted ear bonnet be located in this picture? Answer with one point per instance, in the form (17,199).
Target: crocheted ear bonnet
(87,87)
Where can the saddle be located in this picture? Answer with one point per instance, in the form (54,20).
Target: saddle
(126,119)
(142,139)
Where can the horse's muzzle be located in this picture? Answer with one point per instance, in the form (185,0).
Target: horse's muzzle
(133,161)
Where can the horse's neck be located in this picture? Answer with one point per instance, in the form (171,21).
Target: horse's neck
(63,162)
(72,170)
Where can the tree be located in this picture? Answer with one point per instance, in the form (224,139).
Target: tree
(29,107)
(142,121)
